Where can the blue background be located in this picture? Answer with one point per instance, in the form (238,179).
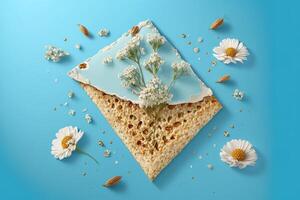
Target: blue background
(29,95)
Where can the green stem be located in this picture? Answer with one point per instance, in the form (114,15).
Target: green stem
(171,83)
(141,72)
(87,154)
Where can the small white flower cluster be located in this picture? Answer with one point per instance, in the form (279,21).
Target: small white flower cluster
(153,64)
(130,77)
(132,50)
(238,95)
(180,69)
(88,118)
(107,60)
(55,54)
(155,93)
(103,32)
(155,40)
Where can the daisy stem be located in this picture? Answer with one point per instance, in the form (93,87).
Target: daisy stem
(87,154)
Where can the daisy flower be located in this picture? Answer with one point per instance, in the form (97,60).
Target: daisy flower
(65,142)
(231,51)
(238,153)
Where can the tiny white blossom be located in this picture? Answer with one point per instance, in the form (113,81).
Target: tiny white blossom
(55,54)
(153,64)
(103,32)
(155,40)
(107,60)
(238,95)
(180,68)
(155,93)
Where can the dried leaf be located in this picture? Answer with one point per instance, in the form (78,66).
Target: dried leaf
(134,30)
(217,23)
(112,181)
(84,30)
(224,78)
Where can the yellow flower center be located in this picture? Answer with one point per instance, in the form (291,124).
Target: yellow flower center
(65,141)
(238,154)
(230,52)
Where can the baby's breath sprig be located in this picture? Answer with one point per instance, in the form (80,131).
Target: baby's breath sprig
(156,41)
(131,78)
(133,52)
(179,69)
(153,64)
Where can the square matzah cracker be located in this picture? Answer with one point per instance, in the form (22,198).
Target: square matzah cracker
(154,138)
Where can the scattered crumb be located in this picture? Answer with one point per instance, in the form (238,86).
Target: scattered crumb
(54,108)
(210,166)
(200,39)
(72,112)
(196,50)
(84,174)
(111,142)
(101,143)
(71,94)
(214,128)
(193,177)
(232,126)
(213,63)
(199,58)
(77,46)
(116,162)
(209,70)
(66,104)
(200,157)
(182,35)
(241,110)
(107,153)
(84,110)
(226,133)
(189,43)
(65,39)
